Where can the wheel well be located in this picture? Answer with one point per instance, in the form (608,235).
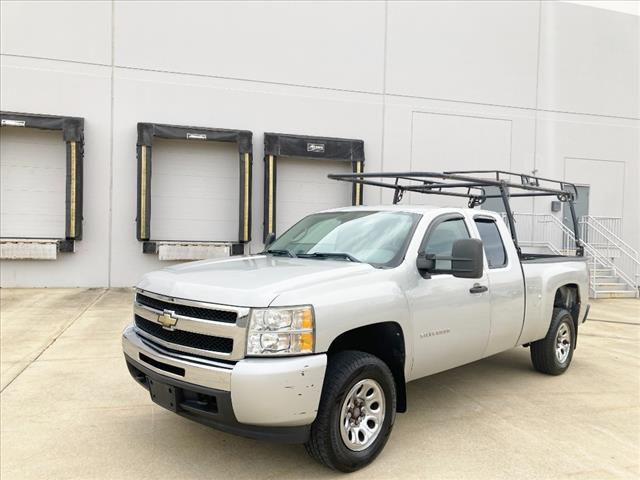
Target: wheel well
(568,297)
(385,341)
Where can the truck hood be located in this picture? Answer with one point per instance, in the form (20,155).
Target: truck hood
(246,281)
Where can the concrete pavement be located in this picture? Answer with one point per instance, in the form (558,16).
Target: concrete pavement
(70,410)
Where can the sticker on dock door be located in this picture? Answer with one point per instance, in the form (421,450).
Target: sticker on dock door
(315,147)
(13,123)
(196,136)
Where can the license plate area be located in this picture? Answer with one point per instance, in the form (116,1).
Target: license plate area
(164,395)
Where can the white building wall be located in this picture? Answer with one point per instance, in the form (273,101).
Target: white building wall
(545,86)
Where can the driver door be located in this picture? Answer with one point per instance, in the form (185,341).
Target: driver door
(450,315)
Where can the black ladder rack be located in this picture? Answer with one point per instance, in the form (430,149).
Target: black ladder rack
(467,184)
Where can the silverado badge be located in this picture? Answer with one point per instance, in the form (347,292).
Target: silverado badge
(167,320)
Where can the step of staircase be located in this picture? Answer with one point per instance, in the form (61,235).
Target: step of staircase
(605,278)
(600,286)
(615,294)
(603,271)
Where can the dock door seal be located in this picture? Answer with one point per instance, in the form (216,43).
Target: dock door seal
(73,135)
(148,131)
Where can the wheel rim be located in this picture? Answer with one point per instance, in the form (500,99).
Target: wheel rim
(563,342)
(362,415)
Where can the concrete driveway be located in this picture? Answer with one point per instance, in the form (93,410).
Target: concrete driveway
(70,410)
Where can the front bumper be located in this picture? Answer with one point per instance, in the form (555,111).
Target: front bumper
(273,398)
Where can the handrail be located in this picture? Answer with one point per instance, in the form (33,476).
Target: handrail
(595,223)
(589,250)
(597,255)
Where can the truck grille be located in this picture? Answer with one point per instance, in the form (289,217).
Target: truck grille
(187,310)
(184,338)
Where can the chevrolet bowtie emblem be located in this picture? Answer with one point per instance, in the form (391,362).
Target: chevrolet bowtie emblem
(167,320)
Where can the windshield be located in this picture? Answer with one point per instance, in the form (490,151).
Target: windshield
(377,238)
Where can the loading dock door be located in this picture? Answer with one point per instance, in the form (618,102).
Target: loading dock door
(296,186)
(41,193)
(194,191)
(32,173)
(200,191)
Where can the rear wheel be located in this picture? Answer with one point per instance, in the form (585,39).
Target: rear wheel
(553,354)
(356,412)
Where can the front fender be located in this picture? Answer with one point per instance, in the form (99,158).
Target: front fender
(352,303)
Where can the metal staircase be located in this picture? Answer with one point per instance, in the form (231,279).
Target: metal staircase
(614,266)
(622,279)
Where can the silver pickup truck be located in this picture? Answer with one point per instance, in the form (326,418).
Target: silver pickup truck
(313,340)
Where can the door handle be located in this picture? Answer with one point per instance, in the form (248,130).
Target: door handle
(478,288)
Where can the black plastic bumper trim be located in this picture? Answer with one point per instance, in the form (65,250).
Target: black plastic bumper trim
(223,419)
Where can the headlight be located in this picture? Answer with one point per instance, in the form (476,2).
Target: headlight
(281,331)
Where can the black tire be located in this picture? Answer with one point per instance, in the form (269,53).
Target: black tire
(345,370)
(543,352)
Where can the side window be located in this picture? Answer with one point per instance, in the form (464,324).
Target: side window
(441,238)
(492,242)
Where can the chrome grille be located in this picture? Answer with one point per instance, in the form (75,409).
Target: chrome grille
(190,327)
(187,339)
(224,316)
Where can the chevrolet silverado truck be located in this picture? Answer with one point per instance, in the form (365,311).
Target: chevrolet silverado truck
(313,340)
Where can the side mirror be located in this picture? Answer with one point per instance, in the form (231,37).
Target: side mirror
(269,240)
(467,258)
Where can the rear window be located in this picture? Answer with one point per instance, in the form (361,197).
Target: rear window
(492,242)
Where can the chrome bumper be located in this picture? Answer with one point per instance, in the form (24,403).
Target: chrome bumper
(209,374)
(264,391)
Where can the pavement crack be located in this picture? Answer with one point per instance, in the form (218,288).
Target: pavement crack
(56,336)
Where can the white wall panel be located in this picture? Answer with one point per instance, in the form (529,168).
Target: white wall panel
(303,188)
(209,102)
(589,60)
(442,142)
(437,135)
(467,51)
(564,136)
(32,183)
(600,175)
(57,88)
(71,30)
(195,190)
(327,44)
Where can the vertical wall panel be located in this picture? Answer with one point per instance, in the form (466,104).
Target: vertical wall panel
(442,142)
(589,60)
(562,137)
(315,43)
(477,51)
(64,30)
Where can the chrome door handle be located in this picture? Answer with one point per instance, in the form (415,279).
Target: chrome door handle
(478,289)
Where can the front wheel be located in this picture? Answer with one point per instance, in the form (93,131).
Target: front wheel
(553,354)
(356,412)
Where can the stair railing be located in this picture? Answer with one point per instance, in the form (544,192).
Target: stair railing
(628,260)
(545,230)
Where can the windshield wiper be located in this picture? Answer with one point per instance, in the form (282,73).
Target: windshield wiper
(275,251)
(345,256)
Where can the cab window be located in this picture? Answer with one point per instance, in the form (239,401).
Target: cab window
(492,242)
